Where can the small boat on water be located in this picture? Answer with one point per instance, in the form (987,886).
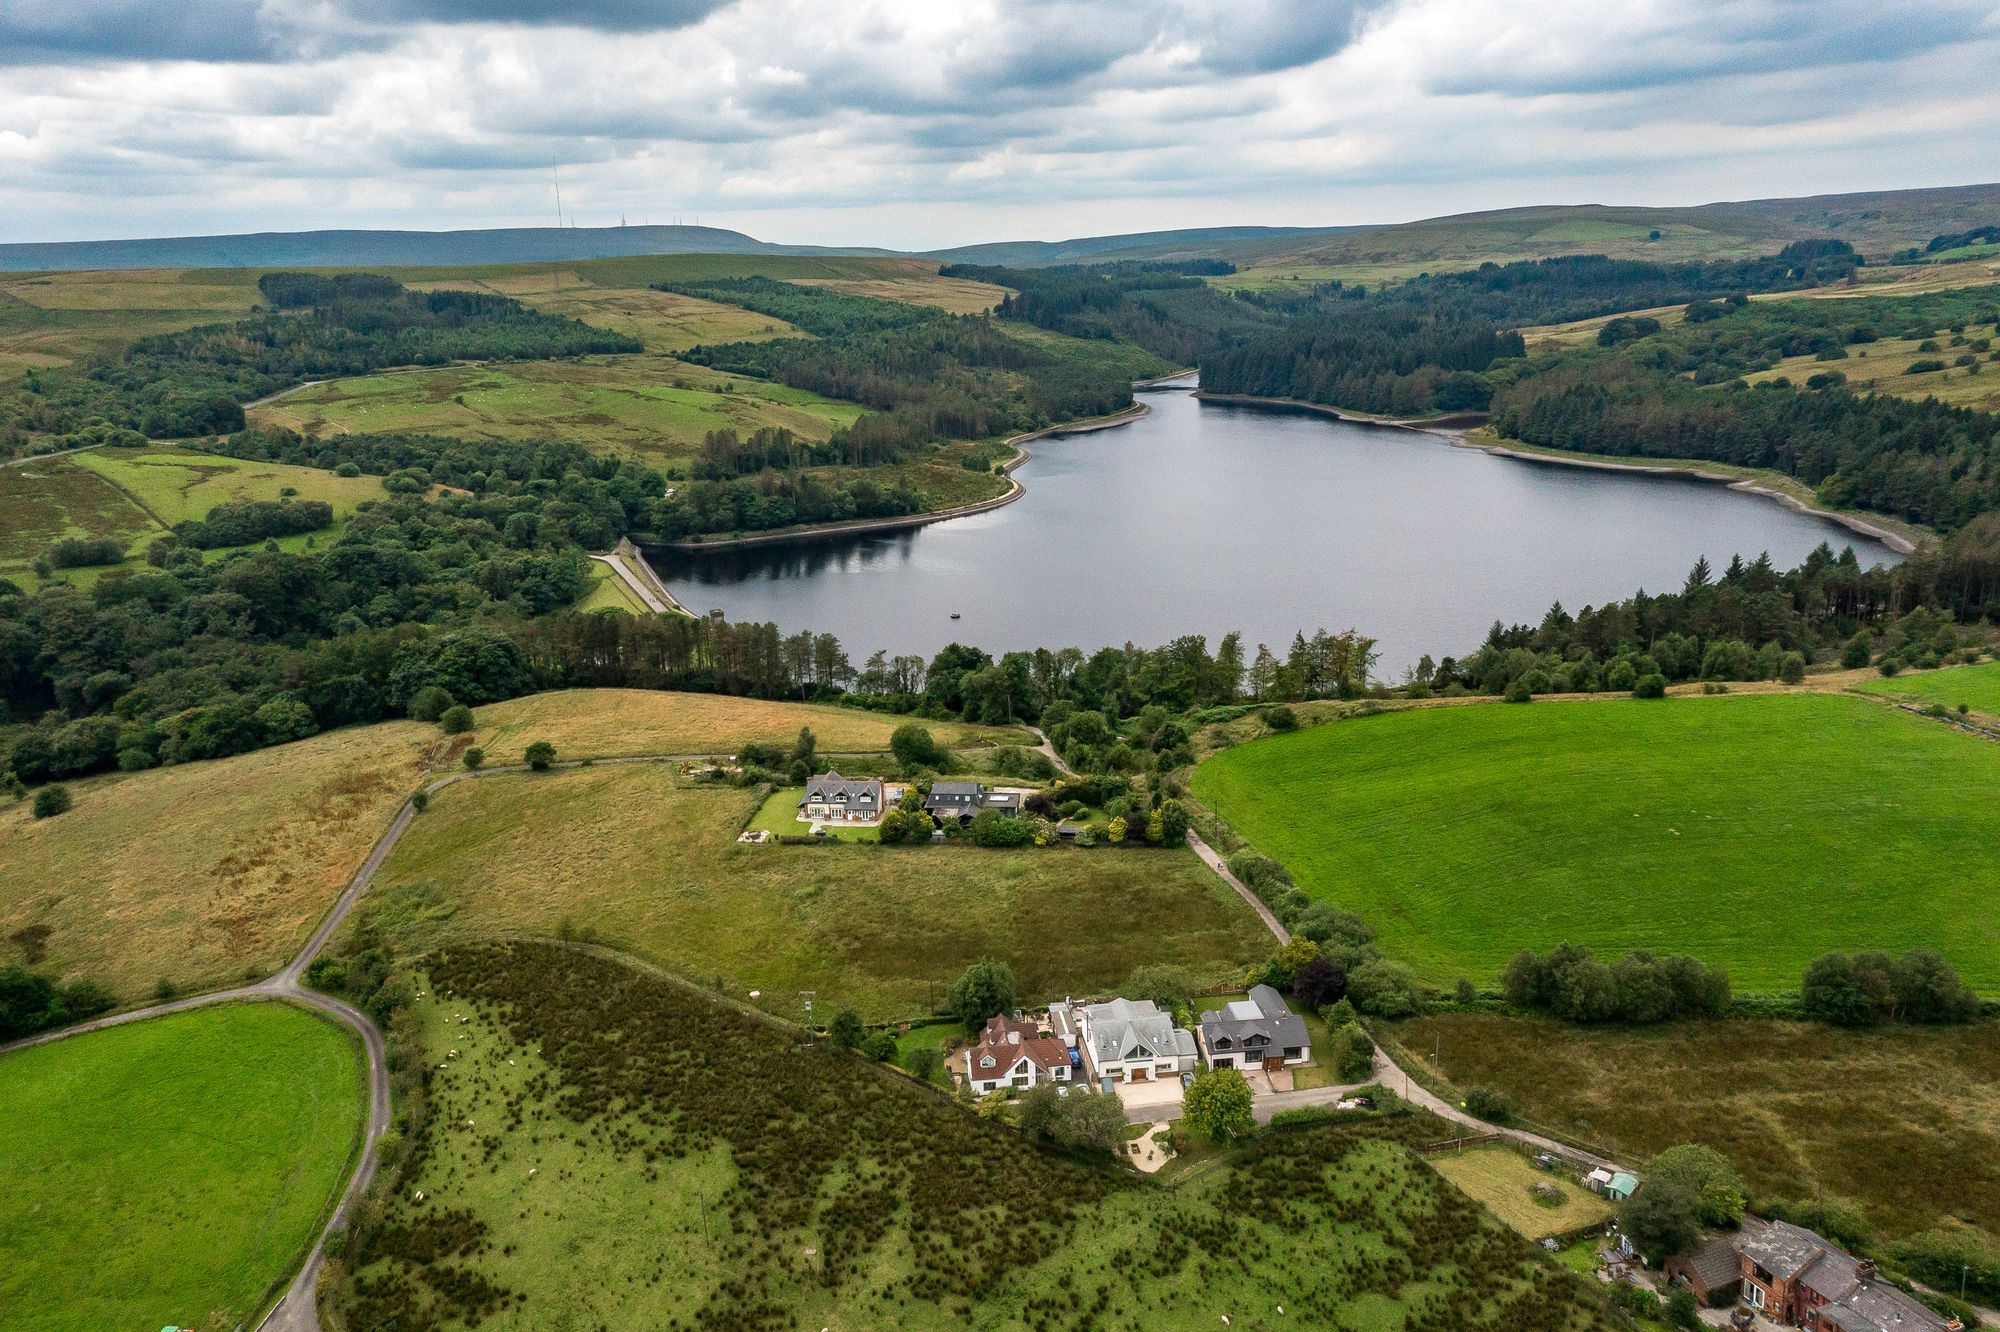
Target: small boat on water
(954,615)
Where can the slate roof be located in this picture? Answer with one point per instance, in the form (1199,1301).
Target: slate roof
(829,786)
(954,793)
(1714,1262)
(1792,1252)
(1263,1014)
(1123,1025)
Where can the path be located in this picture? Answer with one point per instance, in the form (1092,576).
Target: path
(1390,1074)
(645,584)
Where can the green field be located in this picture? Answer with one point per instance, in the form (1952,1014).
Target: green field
(605,1169)
(779,814)
(649,407)
(1977,687)
(138,494)
(632,855)
(179,1167)
(1753,832)
(1797,1106)
(1503,1180)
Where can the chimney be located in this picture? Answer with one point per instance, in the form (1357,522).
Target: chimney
(1864,1271)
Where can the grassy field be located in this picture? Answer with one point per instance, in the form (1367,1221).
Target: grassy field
(1465,834)
(609,592)
(1798,1107)
(780,814)
(1977,687)
(51,319)
(1503,1180)
(130,890)
(1884,367)
(609,1173)
(629,853)
(138,494)
(957,295)
(607,723)
(172,1171)
(664,321)
(648,407)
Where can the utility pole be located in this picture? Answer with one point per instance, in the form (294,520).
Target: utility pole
(809,996)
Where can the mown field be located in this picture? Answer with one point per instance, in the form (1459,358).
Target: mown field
(172,1171)
(1755,832)
(128,889)
(1503,1180)
(1977,687)
(649,407)
(1904,1123)
(629,854)
(590,1163)
(605,723)
(138,494)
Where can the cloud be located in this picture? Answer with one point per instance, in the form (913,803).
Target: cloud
(920,123)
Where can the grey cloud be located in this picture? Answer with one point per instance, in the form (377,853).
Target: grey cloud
(624,16)
(34,32)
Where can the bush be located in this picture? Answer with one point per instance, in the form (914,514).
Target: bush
(1855,652)
(1519,692)
(473,758)
(1683,1310)
(992,828)
(1383,989)
(456,719)
(1650,686)
(1320,982)
(540,755)
(1866,988)
(1568,983)
(846,1029)
(924,1063)
(85,552)
(52,800)
(1280,718)
(429,703)
(915,747)
(1489,1105)
(880,1047)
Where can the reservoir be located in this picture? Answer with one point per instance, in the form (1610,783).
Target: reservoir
(1202,517)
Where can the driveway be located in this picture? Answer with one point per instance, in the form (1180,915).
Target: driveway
(1146,1102)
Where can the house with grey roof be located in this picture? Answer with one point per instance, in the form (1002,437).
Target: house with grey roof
(832,798)
(1257,1032)
(1797,1277)
(961,801)
(1132,1040)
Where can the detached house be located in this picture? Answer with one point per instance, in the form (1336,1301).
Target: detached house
(838,799)
(1258,1032)
(1015,1054)
(1794,1276)
(1129,1040)
(959,801)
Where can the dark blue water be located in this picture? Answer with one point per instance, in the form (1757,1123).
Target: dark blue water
(1202,517)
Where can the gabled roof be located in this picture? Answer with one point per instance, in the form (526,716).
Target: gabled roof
(831,786)
(1714,1262)
(1784,1250)
(1263,1014)
(1133,1029)
(1854,1303)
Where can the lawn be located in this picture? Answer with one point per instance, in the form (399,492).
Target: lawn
(1503,1180)
(602,723)
(1799,1108)
(1753,832)
(646,407)
(779,814)
(609,592)
(138,494)
(1977,687)
(630,854)
(171,1171)
(129,890)
(614,1175)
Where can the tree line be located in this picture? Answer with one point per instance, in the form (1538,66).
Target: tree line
(195,382)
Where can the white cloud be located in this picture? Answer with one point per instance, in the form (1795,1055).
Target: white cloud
(915,123)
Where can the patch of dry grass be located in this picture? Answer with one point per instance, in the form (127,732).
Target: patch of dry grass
(1502,1179)
(1905,1122)
(957,295)
(606,723)
(204,872)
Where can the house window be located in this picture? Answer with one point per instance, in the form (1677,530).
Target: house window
(1291,1052)
(1755,1294)
(1222,1043)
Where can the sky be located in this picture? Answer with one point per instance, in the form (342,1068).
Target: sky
(918,124)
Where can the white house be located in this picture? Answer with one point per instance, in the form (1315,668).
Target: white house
(1129,1040)
(1014,1054)
(1257,1032)
(835,799)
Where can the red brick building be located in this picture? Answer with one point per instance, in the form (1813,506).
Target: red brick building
(1801,1279)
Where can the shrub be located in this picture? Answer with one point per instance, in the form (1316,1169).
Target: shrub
(1489,1105)
(1280,718)
(881,1047)
(456,719)
(846,1029)
(473,758)
(1650,686)
(1519,692)
(429,703)
(1568,983)
(52,800)
(540,755)
(1320,982)
(924,1063)
(1855,652)
(1383,989)
(421,801)
(284,719)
